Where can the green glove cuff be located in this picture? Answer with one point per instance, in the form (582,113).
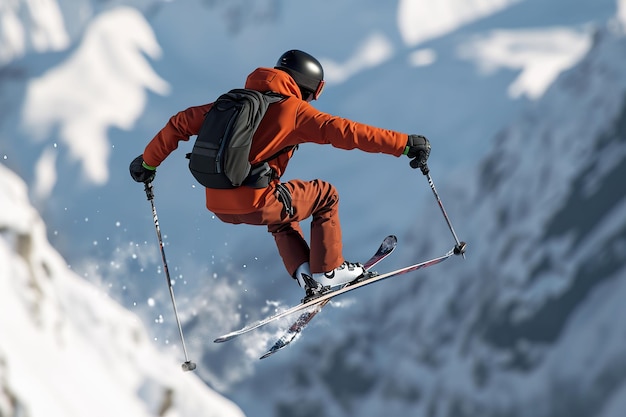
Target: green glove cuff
(406,150)
(146,166)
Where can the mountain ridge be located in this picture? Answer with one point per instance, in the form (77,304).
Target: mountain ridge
(59,331)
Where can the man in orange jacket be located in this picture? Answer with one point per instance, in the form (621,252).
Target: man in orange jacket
(299,78)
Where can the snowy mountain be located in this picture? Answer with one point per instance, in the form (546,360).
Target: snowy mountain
(67,349)
(530,324)
(522,101)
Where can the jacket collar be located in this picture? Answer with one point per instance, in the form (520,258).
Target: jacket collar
(271,79)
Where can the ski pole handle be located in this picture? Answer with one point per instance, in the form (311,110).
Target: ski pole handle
(420,163)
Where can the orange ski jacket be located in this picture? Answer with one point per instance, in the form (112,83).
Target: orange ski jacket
(287,123)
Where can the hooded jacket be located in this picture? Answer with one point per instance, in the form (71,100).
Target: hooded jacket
(286,123)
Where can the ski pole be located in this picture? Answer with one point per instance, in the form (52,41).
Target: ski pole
(459,248)
(187,365)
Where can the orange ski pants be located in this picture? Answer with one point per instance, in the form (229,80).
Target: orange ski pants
(317,199)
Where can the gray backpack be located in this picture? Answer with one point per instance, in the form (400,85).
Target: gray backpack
(220,155)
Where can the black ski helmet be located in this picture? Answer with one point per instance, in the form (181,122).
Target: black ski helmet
(306,71)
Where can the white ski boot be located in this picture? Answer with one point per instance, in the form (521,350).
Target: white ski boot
(343,274)
(316,284)
(312,288)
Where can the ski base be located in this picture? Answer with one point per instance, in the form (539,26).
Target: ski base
(385,248)
(334,293)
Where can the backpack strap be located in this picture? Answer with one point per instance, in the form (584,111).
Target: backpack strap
(277,154)
(261,174)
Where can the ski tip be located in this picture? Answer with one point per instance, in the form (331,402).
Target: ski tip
(224,338)
(391,239)
(389,244)
(271,352)
(279,345)
(267,354)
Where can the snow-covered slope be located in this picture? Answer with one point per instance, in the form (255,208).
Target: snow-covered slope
(458,71)
(66,348)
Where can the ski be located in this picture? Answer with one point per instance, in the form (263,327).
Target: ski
(367,280)
(385,249)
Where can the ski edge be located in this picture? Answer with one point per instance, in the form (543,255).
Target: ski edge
(388,244)
(385,249)
(332,294)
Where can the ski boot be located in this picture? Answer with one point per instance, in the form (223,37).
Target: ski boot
(345,273)
(312,288)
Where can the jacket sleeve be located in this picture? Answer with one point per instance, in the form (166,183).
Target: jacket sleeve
(323,128)
(181,126)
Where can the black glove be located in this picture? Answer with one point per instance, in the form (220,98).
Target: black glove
(418,150)
(140,171)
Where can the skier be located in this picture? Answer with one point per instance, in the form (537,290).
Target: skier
(298,77)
